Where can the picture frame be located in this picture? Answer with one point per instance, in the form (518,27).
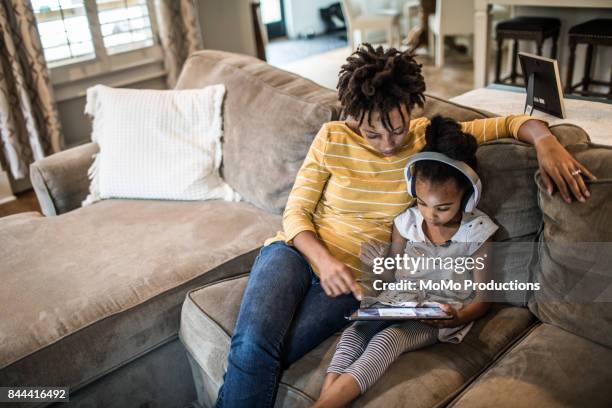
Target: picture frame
(543,85)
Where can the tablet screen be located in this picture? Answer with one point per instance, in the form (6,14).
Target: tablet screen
(399,313)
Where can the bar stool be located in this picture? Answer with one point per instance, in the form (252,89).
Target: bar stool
(593,33)
(536,29)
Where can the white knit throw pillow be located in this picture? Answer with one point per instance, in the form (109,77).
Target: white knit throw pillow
(157,144)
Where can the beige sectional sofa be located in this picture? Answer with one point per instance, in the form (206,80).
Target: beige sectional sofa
(93,298)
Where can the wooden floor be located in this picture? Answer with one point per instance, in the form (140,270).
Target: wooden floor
(25,202)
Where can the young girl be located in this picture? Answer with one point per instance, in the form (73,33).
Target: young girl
(348,191)
(440,226)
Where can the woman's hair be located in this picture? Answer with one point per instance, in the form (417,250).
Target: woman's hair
(444,135)
(379,80)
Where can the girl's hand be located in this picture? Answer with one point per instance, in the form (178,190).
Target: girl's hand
(558,166)
(337,278)
(441,323)
(370,251)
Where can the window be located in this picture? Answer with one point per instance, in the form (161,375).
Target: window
(73,31)
(64,30)
(125,25)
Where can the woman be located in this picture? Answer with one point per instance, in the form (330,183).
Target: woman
(348,191)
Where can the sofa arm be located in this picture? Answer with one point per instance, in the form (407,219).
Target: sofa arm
(60,180)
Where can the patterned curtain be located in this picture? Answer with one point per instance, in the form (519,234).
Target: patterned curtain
(179,31)
(29,124)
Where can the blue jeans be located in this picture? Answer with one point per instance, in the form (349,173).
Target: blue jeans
(284,314)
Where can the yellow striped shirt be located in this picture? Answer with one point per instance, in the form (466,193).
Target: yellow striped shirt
(348,193)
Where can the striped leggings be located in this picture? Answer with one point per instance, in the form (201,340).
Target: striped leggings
(367,349)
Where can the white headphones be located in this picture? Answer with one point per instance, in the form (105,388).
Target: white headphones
(471,202)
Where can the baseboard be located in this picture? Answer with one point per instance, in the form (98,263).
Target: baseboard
(6,193)
(7,199)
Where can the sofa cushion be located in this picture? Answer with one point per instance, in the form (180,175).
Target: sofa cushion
(157,144)
(426,377)
(510,195)
(549,368)
(270,119)
(86,292)
(576,254)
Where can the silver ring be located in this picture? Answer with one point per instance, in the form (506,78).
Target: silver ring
(576,172)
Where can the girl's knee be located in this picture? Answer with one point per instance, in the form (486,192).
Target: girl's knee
(388,336)
(388,343)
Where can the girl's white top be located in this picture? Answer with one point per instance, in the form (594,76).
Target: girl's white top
(439,263)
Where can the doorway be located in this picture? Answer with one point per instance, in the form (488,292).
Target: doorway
(273,17)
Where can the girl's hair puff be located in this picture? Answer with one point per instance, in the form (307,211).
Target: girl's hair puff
(444,135)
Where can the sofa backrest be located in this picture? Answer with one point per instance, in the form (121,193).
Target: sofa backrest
(510,197)
(270,119)
(575,248)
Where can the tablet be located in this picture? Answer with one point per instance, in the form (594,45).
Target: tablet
(399,313)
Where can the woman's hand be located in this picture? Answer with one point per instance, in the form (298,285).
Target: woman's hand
(457,319)
(337,278)
(558,166)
